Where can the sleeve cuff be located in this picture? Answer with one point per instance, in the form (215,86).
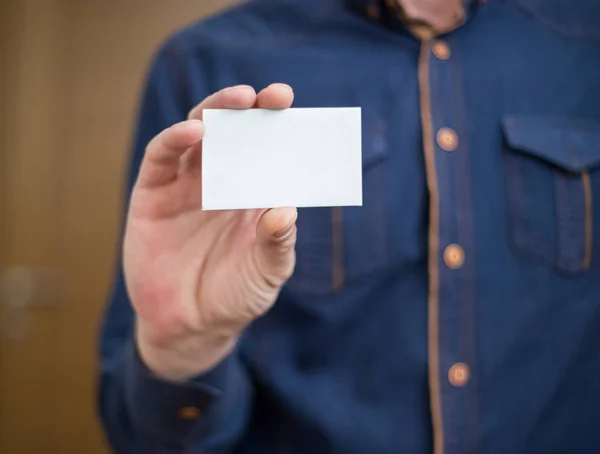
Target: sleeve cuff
(177,413)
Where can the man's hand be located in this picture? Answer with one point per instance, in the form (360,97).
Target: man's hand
(195,278)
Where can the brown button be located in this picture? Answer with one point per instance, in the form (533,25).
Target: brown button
(454,256)
(189,413)
(447,139)
(459,375)
(441,50)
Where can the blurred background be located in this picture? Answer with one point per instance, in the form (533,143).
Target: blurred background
(70,78)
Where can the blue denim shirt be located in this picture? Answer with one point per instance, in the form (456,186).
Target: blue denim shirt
(458,310)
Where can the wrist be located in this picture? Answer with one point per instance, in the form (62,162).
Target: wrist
(184,357)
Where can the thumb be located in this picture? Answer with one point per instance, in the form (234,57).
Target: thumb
(276,238)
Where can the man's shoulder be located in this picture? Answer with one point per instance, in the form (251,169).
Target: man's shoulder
(258,24)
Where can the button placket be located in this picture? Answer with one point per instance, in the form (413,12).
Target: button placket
(448,131)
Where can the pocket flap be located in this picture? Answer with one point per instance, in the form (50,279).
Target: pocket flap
(573,145)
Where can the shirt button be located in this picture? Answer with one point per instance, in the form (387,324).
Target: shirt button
(189,413)
(447,139)
(454,256)
(441,50)
(459,375)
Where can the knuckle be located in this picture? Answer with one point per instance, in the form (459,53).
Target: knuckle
(287,241)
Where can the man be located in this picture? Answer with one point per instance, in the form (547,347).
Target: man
(457,311)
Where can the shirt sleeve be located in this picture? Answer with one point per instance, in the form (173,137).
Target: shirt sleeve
(140,412)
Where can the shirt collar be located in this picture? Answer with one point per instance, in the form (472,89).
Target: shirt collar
(382,11)
(366,3)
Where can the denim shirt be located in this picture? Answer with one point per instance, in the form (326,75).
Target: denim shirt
(458,310)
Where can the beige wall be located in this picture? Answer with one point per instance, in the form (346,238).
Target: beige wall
(110,44)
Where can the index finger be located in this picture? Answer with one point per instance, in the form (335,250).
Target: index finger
(161,160)
(238,97)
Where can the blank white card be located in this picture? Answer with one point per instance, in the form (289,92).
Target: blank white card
(300,157)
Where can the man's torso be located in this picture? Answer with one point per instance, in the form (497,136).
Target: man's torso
(460,305)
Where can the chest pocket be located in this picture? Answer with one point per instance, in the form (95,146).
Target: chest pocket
(337,245)
(553,189)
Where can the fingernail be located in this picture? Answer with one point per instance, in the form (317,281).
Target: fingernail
(237,87)
(277,84)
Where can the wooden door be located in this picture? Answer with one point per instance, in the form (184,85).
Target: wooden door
(70,76)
